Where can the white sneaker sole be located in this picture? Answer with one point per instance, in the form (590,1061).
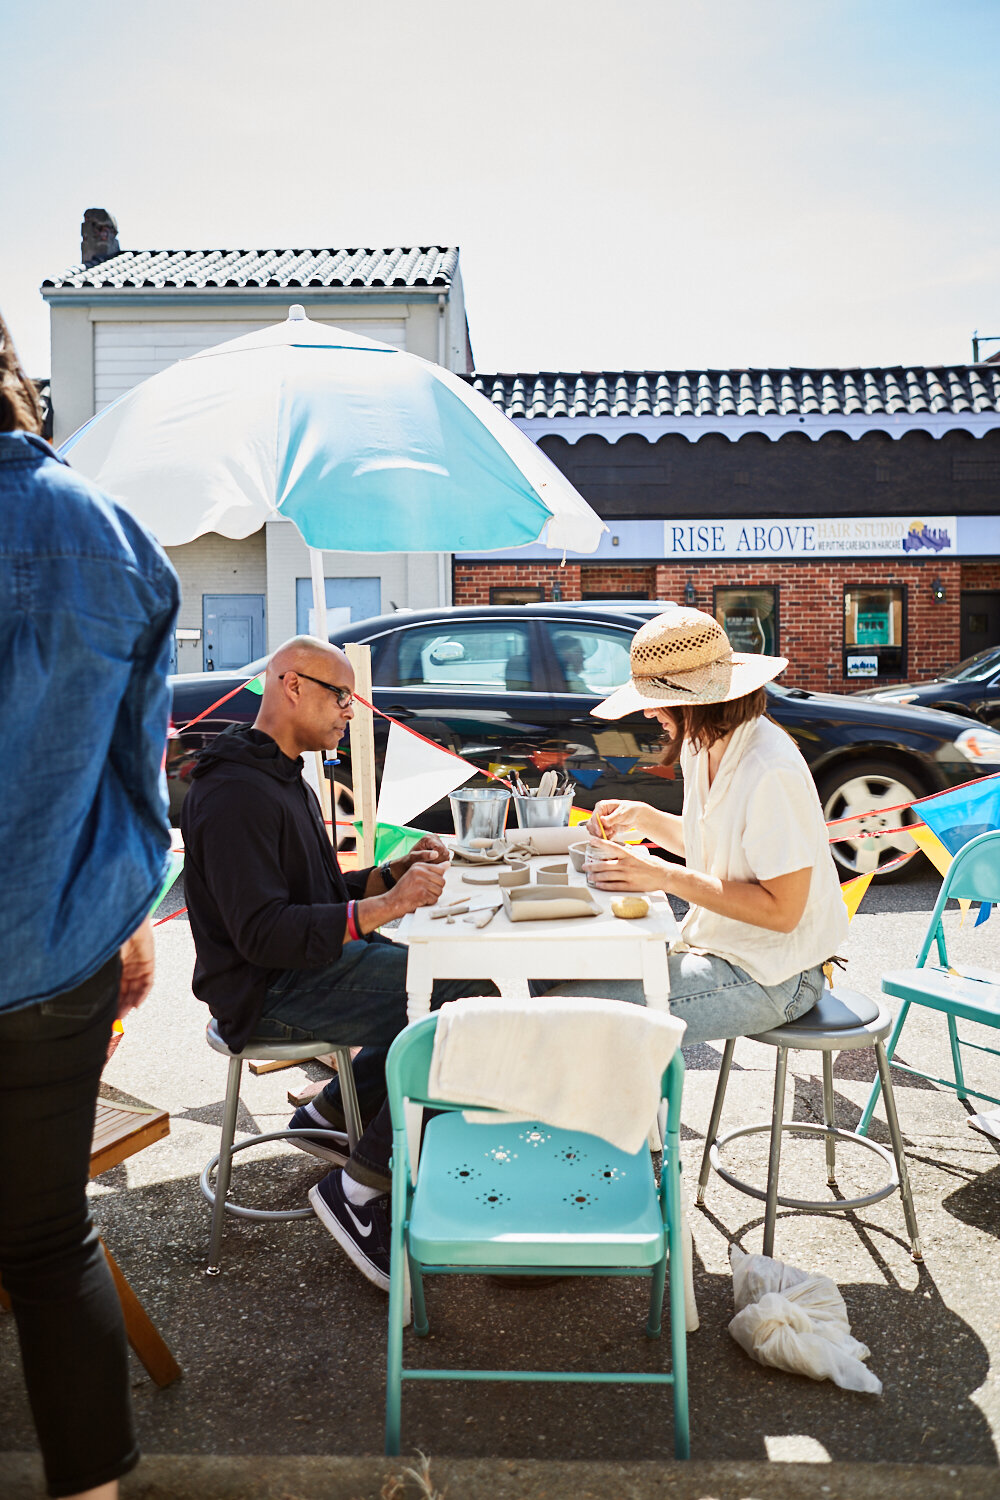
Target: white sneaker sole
(346,1241)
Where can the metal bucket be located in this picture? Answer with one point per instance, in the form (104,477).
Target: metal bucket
(543,812)
(479,812)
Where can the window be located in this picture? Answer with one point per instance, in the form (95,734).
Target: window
(874,626)
(594,658)
(527,595)
(469,654)
(750,618)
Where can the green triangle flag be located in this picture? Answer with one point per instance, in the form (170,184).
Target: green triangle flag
(391,841)
(256,685)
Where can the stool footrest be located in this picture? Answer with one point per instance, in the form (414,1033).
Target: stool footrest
(258,1140)
(806,1205)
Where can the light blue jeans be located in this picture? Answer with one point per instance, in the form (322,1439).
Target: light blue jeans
(714,998)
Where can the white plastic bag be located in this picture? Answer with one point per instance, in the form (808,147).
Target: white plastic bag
(797,1322)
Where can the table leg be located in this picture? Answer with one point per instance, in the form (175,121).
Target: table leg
(142,1333)
(419,984)
(655,975)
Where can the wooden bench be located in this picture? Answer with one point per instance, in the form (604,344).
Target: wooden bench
(120,1131)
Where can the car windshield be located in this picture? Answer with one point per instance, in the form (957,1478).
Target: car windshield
(975,668)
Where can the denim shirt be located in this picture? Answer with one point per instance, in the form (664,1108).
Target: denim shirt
(87,607)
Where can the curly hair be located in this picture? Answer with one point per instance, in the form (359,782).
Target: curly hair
(702,724)
(20,410)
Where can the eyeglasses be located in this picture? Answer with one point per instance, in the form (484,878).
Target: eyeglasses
(343,695)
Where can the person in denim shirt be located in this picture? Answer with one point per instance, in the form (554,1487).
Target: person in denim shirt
(87,609)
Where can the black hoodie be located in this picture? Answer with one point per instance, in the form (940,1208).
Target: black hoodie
(263,887)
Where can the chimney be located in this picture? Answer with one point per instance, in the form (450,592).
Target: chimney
(98,236)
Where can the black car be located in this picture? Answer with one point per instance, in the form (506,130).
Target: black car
(972,689)
(514,686)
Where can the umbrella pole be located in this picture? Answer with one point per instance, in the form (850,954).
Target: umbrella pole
(319,610)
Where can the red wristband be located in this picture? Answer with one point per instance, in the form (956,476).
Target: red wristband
(352,927)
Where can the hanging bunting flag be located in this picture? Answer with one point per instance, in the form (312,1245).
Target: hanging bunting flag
(964,812)
(931,845)
(668,773)
(416,774)
(852,892)
(546,760)
(503,768)
(584,777)
(985,908)
(256,685)
(622,763)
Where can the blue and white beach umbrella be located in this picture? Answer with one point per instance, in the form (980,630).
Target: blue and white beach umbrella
(364,447)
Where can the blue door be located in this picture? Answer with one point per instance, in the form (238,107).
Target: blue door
(233,630)
(361,596)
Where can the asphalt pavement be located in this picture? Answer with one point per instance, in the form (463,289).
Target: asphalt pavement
(283,1353)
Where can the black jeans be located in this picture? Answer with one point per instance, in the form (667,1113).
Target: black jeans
(69,1318)
(358,1001)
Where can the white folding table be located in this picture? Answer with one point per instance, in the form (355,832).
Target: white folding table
(601,947)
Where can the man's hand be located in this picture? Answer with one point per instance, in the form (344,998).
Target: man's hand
(430,850)
(420,885)
(138,961)
(618,819)
(624,871)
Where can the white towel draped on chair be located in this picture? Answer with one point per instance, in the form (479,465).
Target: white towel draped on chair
(487,1050)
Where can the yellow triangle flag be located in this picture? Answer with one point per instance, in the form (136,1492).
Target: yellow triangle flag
(931,845)
(853,891)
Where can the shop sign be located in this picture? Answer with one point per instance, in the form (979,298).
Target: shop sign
(828,537)
(862,666)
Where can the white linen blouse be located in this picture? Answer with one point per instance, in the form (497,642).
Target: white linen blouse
(760,818)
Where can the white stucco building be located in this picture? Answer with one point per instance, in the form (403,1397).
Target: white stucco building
(117,320)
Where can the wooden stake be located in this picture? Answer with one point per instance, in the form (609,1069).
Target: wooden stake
(363,750)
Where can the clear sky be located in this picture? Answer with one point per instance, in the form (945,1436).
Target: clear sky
(634,184)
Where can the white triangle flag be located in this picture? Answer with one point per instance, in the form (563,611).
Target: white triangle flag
(416,774)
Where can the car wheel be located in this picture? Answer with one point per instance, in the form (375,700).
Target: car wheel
(343,813)
(876,789)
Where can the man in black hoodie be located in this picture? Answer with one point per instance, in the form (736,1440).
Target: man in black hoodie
(287,946)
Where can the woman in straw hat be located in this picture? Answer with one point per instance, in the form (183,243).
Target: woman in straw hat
(765,906)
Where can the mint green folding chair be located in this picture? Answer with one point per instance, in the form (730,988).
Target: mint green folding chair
(527,1199)
(968,994)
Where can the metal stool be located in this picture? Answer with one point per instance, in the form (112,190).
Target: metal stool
(272,1052)
(841,1021)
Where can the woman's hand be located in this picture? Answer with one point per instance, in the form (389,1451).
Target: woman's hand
(624,871)
(619,818)
(138,963)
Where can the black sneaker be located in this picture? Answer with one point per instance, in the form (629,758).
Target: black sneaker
(332,1148)
(360,1229)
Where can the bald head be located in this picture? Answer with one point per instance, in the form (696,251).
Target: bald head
(297,709)
(306,653)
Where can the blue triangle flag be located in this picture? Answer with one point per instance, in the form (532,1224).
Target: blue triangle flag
(585,778)
(985,908)
(964,812)
(622,763)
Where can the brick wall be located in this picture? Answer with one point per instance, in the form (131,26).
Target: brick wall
(472,581)
(810,602)
(981,575)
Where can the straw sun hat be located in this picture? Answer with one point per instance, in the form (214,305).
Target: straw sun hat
(684,656)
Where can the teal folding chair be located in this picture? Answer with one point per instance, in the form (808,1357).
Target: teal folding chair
(968,994)
(526,1199)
